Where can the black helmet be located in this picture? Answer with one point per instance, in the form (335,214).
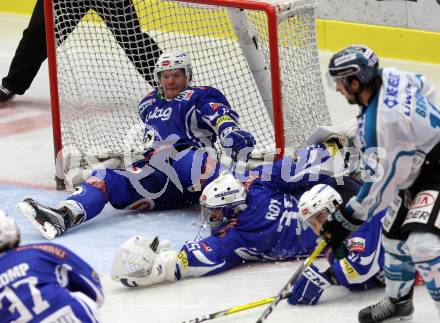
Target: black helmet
(355,60)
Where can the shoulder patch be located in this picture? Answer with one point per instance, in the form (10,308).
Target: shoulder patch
(216,105)
(356,245)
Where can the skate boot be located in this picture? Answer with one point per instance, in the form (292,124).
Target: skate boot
(388,310)
(50,222)
(6,96)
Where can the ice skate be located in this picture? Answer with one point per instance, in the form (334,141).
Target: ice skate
(387,310)
(50,222)
(6,96)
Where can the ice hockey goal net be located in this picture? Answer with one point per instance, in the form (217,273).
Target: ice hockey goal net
(261,54)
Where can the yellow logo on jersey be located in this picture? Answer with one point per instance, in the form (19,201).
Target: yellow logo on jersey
(332,148)
(223,119)
(183,259)
(348,269)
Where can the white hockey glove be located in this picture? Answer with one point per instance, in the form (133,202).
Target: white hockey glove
(142,262)
(343,133)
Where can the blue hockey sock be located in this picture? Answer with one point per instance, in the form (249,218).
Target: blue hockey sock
(90,198)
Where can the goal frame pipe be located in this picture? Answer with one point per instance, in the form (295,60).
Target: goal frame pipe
(271,13)
(53,87)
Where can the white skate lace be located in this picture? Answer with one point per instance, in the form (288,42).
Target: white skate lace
(5,90)
(382,309)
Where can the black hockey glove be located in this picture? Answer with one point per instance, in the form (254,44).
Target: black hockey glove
(338,227)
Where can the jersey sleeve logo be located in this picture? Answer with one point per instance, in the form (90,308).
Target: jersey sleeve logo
(222,120)
(216,105)
(145,105)
(348,269)
(356,245)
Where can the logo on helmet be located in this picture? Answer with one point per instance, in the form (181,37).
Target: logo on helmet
(227,193)
(166,63)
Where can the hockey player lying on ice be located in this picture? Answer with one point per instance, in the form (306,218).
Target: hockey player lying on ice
(259,220)
(182,123)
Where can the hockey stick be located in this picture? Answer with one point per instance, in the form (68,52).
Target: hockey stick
(281,295)
(233,310)
(285,290)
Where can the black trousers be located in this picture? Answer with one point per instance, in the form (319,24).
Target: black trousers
(120,17)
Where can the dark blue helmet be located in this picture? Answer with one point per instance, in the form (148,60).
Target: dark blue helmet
(355,60)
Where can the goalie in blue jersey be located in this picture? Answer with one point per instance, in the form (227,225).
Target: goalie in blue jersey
(182,123)
(44,282)
(258,220)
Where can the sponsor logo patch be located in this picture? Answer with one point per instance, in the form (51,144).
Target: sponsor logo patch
(183,259)
(227,193)
(166,63)
(185,95)
(205,247)
(222,120)
(421,207)
(216,105)
(392,91)
(348,269)
(356,245)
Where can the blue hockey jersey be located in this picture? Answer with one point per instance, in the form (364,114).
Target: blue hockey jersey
(42,281)
(194,118)
(362,265)
(271,229)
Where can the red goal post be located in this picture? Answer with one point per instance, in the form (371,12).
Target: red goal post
(261,54)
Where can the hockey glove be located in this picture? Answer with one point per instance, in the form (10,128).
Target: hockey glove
(309,287)
(240,142)
(141,262)
(338,227)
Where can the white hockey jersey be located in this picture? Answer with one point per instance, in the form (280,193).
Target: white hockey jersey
(396,131)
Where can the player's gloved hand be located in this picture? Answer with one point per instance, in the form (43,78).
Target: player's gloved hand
(309,287)
(338,227)
(240,142)
(144,262)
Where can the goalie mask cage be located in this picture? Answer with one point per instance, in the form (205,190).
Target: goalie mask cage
(261,54)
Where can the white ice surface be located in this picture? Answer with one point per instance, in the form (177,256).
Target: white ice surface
(27,171)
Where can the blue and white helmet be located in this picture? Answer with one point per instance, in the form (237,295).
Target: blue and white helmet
(9,233)
(174,60)
(355,60)
(222,199)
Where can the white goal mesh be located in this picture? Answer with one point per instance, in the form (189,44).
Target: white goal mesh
(105,51)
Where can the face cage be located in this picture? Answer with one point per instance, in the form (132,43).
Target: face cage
(213,220)
(224,213)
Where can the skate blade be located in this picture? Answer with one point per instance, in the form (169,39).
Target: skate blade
(399,319)
(47,230)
